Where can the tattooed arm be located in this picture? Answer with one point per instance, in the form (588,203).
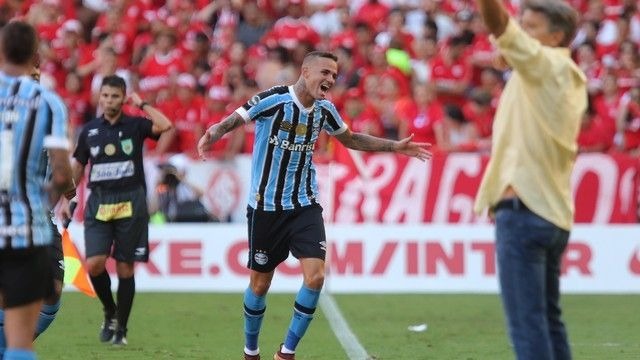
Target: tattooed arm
(364,142)
(215,132)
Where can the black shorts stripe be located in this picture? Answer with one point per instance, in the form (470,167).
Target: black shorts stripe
(286,158)
(302,162)
(23,158)
(264,179)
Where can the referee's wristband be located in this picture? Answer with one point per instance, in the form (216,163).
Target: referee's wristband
(142,105)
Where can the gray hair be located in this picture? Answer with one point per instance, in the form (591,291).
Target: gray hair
(561,16)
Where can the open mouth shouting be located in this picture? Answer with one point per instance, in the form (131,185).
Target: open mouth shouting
(324,88)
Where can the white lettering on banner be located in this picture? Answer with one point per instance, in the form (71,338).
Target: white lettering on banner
(606,170)
(407,204)
(382,259)
(112,171)
(448,200)
(366,190)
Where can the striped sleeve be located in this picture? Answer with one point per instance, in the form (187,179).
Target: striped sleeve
(57,137)
(333,124)
(261,102)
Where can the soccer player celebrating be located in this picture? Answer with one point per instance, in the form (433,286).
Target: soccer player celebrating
(283,213)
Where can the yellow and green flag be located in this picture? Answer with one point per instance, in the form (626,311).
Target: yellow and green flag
(74,271)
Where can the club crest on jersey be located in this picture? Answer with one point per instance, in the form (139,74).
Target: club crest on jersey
(260,258)
(94,150)
(127,146)
(93,132)
(301,129)
(254,100)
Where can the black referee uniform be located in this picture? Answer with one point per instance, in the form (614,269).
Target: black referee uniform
(116,212)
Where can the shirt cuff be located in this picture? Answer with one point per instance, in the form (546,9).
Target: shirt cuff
(243,114)
(53,142)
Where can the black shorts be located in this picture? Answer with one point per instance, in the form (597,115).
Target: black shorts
(272,234)
(116,223)
(25,275)
(56,256)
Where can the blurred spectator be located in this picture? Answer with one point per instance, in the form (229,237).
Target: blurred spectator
(231,143)
(419,114)
(162,61)
(360,116)
(424,51)
(607,102)
(373,13)
(455,132)
(277,68)
(627,136)
(452,72)
(78,103)
(292,29)
(187,112)
(628,69)
(596,133)
(479,112)
(105,64)
(588,62)
(331,19)
(177,199)
(252,25)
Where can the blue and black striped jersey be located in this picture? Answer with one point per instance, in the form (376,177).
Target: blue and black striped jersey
(32,120)
(283,176)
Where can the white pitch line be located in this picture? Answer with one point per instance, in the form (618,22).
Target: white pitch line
(346,337)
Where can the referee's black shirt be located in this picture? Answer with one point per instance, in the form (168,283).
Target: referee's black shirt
(114,151)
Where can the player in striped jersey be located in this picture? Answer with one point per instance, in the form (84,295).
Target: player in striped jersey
(283,213)
(33,122)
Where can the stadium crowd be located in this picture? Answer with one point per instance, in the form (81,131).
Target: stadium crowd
(406,66)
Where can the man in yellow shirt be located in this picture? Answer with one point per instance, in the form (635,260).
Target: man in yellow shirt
(526,185)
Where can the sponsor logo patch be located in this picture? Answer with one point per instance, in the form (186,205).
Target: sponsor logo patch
(93,132)
(286,126)
(108,212)
(112,171)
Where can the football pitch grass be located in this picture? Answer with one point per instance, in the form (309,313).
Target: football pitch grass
(459,326)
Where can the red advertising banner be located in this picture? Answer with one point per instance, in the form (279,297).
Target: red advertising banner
(386,188)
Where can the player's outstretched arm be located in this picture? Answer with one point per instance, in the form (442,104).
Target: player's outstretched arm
(364,142)
(217,131)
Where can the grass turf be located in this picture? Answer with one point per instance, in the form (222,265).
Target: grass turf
(209,326)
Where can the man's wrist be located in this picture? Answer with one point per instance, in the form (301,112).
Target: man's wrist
(142,105)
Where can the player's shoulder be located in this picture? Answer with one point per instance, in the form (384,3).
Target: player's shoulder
(268,93)
(49,96)
(325,104)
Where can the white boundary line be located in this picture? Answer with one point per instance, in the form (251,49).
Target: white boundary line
(346,337)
